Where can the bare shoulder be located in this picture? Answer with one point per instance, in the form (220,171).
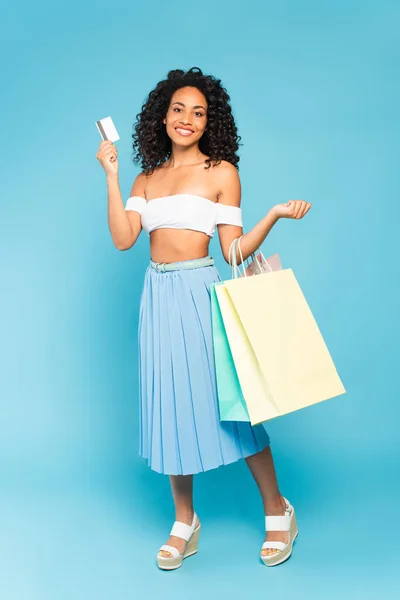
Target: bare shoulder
(139,185)
(228,182)
(226,169)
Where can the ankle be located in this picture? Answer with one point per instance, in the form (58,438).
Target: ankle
(275,505)
(185,515)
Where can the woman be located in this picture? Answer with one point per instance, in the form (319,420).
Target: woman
(186,141)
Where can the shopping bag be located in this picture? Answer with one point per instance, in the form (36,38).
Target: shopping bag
(257,264)
(252,383)
(232,406)
(269,314)
(272,263)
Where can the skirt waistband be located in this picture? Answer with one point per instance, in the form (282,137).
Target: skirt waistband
(195,263)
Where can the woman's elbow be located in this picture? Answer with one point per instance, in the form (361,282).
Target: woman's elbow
(122,248)
(124,244)
(124,238)
(226,257)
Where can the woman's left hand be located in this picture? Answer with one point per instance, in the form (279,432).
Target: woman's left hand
(294,209)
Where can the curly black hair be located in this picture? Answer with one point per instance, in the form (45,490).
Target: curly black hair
(220,141)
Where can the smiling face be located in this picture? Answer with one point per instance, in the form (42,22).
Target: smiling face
(186,118)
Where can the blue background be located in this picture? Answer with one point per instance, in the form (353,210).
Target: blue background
(315,91)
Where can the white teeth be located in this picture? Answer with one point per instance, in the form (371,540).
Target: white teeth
(184,131)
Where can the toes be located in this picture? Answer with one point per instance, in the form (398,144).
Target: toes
(165,553)
(269,551)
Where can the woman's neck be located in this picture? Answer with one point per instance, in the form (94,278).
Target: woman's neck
(185,157)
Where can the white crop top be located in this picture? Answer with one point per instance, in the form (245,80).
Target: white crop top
(184,211)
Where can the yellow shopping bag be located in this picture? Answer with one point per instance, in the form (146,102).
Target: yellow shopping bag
(281,358)
(254,387)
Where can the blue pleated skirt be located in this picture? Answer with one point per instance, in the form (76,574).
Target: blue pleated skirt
(180,432)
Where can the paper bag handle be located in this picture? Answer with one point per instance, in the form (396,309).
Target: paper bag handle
(235,268)
(234,264)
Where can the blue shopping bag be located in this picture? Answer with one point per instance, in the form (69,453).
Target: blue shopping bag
(232,406)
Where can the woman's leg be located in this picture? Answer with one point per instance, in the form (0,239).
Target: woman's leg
(182,492)
(262,468)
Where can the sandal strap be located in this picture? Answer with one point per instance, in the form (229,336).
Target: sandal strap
(277,523)
(183,530)
(174,551)
(275,545)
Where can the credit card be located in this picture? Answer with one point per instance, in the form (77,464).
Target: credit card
(107,129)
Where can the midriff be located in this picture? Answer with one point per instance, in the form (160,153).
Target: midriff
(173,245)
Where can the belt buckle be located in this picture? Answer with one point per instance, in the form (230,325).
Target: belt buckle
(160,266)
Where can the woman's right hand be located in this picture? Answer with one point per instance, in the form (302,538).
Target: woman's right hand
(107,157)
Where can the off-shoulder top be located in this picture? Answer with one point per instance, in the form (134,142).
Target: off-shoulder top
(184,211)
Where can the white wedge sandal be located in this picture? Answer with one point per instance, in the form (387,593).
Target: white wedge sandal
(286,522)
(191,534)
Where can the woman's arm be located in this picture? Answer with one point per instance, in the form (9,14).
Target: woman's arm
(125,225)
(229,183)
(253,239)
(230,194)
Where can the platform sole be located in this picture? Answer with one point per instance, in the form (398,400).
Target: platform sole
(280,557)
(171,563)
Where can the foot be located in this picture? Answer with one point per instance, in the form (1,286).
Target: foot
(177,542)
(277,507)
